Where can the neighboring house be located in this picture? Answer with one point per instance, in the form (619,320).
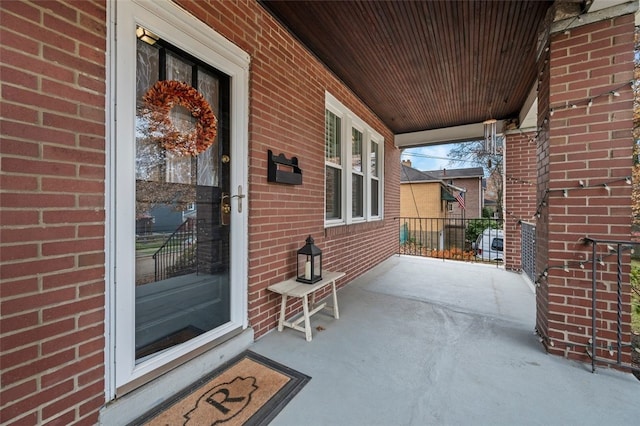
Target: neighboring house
(166,218)
(431,209)
(468,179)
(424,196)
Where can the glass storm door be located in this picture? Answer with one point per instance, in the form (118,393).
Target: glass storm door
(182,280)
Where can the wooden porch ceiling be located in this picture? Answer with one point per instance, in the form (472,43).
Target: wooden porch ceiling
(422,65)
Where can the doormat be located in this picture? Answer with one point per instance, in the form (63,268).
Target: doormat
(248,390)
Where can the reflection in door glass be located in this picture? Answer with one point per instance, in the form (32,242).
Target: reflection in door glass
(182,249)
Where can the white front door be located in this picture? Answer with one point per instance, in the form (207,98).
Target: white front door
(178,191)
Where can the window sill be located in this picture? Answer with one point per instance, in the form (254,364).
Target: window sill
(355,228)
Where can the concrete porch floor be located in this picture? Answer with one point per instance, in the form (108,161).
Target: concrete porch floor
(426,342)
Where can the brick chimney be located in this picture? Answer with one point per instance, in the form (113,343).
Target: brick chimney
(406,163)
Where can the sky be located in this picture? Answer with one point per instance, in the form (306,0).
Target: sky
(422,158)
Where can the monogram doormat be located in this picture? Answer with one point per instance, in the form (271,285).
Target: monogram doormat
(248,390)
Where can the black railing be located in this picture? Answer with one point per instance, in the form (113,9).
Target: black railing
(603,254)
(480,239)
(177,256)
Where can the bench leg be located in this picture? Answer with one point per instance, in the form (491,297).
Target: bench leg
(336,314)
(283,308)
(307,320)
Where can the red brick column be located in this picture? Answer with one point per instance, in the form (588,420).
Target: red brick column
(584,142)
(520,192)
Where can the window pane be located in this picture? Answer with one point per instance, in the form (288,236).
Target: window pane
(375,204)
(356,196)
(209,86)
(333,196)
(332,137)
(178,68)
(182,281)
(356,150)
(179,168)
(147,64)
(374,159)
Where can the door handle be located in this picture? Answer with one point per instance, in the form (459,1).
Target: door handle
(239,196)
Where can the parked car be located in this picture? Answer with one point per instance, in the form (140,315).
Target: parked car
(490,245)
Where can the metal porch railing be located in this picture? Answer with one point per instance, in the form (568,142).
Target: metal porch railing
(177,256)
(452,238)
(528,249)
(603,254)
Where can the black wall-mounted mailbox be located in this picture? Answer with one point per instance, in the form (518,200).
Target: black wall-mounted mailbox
(281,170)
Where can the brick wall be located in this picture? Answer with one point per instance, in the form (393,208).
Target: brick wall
(591,144)
(472,202)
(52,175)
(421,200)
(287,98)
(520,192)
(53,192)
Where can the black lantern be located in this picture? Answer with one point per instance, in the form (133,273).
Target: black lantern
(309,268)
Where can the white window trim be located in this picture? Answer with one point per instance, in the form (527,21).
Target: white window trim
(340,166)
(362,129)
(380,163)
(172,23)
(350,120)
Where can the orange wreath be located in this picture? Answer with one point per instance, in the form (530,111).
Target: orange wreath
(161,98)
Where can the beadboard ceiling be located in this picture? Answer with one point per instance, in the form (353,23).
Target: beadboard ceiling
(422,65)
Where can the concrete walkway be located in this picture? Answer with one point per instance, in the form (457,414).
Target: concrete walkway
(426,342)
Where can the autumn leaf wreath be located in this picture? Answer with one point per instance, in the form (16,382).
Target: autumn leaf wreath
(161,98)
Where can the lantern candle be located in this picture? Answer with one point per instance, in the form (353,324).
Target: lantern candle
(307,270)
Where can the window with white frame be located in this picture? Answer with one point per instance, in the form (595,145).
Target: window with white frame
(357,175)
(333,170)
(353,167)
(374,175)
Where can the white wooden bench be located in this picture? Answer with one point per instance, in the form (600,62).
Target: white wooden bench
(293,288)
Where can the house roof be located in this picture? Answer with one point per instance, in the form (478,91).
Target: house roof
(470,172)
(411,175)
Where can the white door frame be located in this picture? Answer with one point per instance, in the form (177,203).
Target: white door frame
(180,28)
